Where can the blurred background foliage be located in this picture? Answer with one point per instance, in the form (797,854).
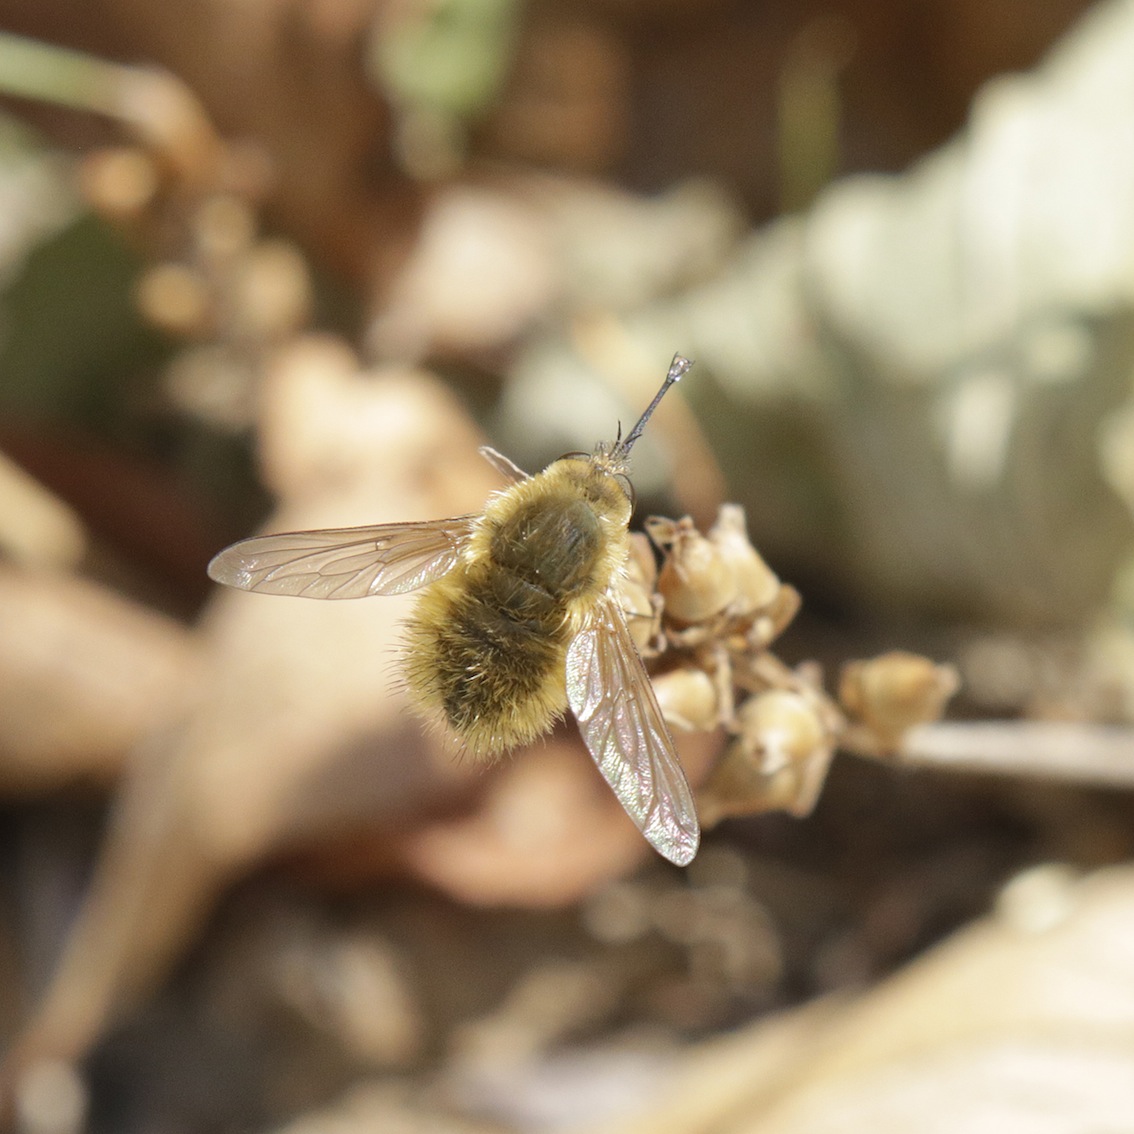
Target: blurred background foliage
(288,264)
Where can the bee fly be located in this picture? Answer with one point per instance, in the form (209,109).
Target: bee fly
(518,618)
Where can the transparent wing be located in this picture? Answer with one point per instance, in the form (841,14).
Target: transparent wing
(342,563)
(507,468)
(611,696)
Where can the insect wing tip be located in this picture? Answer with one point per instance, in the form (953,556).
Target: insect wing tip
(676,835)
(226,569)
(681,852)
(621,724)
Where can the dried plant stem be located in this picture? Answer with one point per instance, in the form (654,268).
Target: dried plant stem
(29,69)
(1080,753)
(157,106)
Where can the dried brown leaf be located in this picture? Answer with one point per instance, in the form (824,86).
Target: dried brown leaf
(1024,1022)
(84,676)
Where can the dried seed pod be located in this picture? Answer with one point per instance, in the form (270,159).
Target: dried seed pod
(777,762)
(119,182)
(641,566)
(215,382)
(224,226)
(271,292)
(784,725)
(640,602)
(688,699)
(175,297)
(893,692)
(695,581)
(757,586)
(771,623)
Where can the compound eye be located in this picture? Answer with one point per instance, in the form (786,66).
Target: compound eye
(627,486)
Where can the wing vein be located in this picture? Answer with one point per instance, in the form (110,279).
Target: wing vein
(342,563)
(621,723)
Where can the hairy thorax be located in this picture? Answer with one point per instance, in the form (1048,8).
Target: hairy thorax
(490,639)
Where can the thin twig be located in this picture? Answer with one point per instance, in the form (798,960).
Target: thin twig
(1081,753)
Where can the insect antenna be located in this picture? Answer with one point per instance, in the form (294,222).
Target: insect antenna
(677,368)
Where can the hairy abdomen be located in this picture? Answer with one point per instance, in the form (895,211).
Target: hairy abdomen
(487,644)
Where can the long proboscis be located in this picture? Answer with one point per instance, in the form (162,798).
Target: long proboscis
(677,369)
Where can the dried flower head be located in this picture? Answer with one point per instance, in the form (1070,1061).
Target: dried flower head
(756,585)
(721,606)
(892,693)
(695,580)
(689,699)
(640,600)
(778,760)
